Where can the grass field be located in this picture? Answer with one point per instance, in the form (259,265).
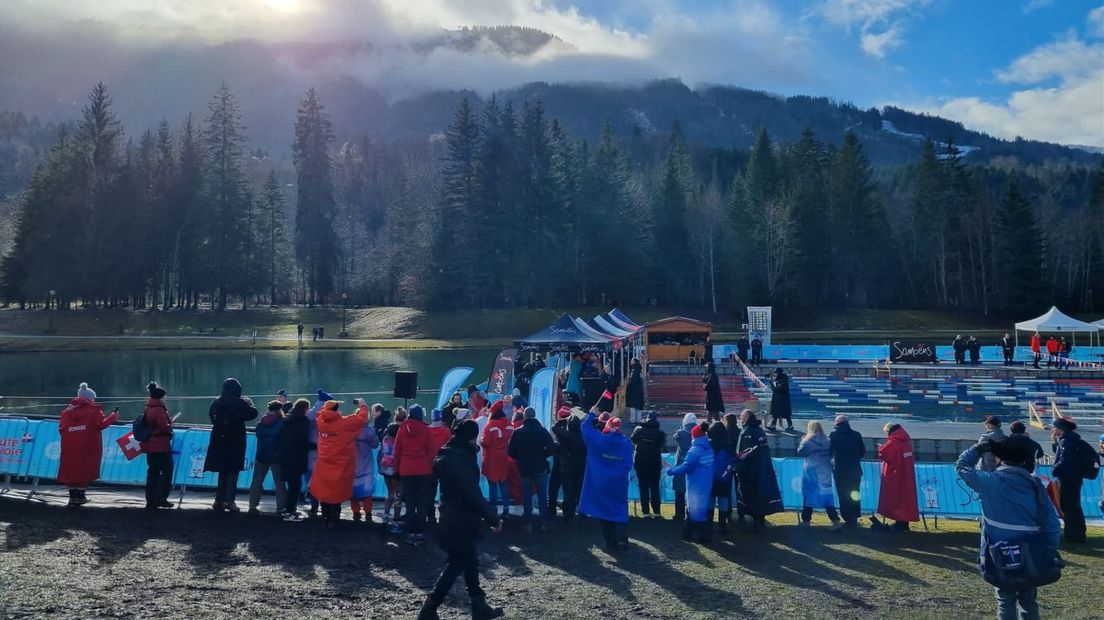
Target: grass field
(122,562)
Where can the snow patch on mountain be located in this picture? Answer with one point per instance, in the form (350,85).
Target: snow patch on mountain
(963,150)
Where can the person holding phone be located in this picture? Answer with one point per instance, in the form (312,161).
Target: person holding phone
(81,426)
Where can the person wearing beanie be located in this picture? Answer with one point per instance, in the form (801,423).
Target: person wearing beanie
(295,446)
(992,432)
(282,398)
(268,457)
(495,439)
(158,449)
(683,441)
(1018,429)
(414,464)
(648,440)
(697,467)
(605,494)
(847,449)
(465,514)
(530,446)
(555,474)
(448,414)
(81,428)
(440,434)
(364,476)
(226,447)
(335,469)
(1012,502)
(758,493)
(1067,471)
(573,457)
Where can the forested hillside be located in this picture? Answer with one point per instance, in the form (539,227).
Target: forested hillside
(552,196)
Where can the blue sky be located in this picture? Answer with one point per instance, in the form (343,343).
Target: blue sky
(1031,68)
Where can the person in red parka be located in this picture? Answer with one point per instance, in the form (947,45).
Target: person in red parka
(897,499)
(81,426)
(332,481)
(441,433)
(414,453)
(496,460)
(1036,349)
(158,449)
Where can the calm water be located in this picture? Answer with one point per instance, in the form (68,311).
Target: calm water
(42,383)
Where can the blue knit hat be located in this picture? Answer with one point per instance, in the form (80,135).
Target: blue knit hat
(324,396)
(436,415)
(417,412)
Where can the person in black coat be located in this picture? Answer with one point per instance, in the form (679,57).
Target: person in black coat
(1008,348)
(959,346)
(714,403)
(973,345)
(742,346)
(634,391)
(295,446)
(573,456)
(756,351)
(555,476)
(847,449)
(464,510)
(531,445)
(1067,470)
(649,439)
(780,400)
(226,448)
(758,493)
(1036,451)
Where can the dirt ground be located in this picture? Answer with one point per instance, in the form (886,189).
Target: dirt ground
(111,559)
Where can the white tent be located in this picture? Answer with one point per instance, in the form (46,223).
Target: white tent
(1056,321)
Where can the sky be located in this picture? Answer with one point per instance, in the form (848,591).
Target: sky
(1030,68)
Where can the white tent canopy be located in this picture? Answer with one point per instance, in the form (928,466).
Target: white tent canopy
(1099,323)
(1056,321)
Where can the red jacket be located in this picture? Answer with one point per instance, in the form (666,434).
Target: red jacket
(160,427)
(496,440)
(897,499)
(1035,346)
(414,449)
(332,480)
(1052,346)
(440,436)
(81,425)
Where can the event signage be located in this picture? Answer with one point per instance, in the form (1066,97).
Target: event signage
(912,352)
(759,323)
(502,375)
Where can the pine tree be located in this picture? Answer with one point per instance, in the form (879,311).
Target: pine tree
(859,226)
(1020,256)
(189,232)
(454,252)
(315,209)
(271,237)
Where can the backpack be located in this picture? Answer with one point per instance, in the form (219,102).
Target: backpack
(1022,562)
(1088,461)
(387,456)
(140,429)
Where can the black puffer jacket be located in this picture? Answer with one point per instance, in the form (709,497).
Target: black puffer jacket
(573,451)
(295,443)
(463,508)
(530,446)
(634,391)
(649,440)
(848,450)
(229,413)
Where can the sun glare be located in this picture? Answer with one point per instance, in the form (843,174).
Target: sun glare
(286,6)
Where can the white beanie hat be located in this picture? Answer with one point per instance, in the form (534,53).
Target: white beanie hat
(86,392)
(689,418)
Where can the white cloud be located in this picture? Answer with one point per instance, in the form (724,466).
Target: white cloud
(1067,57)
(881,23)
(1096,22)
(1034,5)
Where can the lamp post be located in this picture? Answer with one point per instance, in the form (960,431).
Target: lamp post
(344,309)
(50,306)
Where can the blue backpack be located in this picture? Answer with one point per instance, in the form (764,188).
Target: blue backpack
(1022,562)
(140,429)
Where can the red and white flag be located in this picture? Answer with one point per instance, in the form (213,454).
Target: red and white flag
(129,445)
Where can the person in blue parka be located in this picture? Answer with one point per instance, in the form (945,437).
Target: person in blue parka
(605,494)
(722,476)
(682,446)
(698,471)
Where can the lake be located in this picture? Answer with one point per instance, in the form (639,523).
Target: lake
(42,383)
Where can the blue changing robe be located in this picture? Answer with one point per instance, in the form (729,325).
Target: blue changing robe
(606,481)
(698,469)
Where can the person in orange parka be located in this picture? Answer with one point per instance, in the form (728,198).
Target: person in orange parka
(496,461)
(897,498)
(81,426)
(332,480)
(1052,351)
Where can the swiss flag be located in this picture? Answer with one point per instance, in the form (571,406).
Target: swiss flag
(129,445)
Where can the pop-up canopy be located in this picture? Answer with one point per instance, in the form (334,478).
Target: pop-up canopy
(564,335)
(1054,320)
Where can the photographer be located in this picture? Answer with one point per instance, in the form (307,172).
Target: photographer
(1020,530)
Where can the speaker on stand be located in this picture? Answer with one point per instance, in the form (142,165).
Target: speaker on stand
(406,385)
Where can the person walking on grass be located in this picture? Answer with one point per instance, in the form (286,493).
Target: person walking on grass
(268,457)
(295,445)
(158,449)
(464,516)
(714,402)
(414,463)
(816,476)
(683,441)
(697,469)
(530,446)
(897,496)
(1019,526)
(847,450)
(648,440)
(226,448)
(606,483)
(81,428)
(332,480)
(364,478)
(780,408)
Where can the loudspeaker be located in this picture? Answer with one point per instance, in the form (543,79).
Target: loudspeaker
(406,383)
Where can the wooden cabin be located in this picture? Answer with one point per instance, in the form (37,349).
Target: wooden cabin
(673,339)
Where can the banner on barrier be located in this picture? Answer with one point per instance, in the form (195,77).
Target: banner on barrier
(904,352)
(15,442)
